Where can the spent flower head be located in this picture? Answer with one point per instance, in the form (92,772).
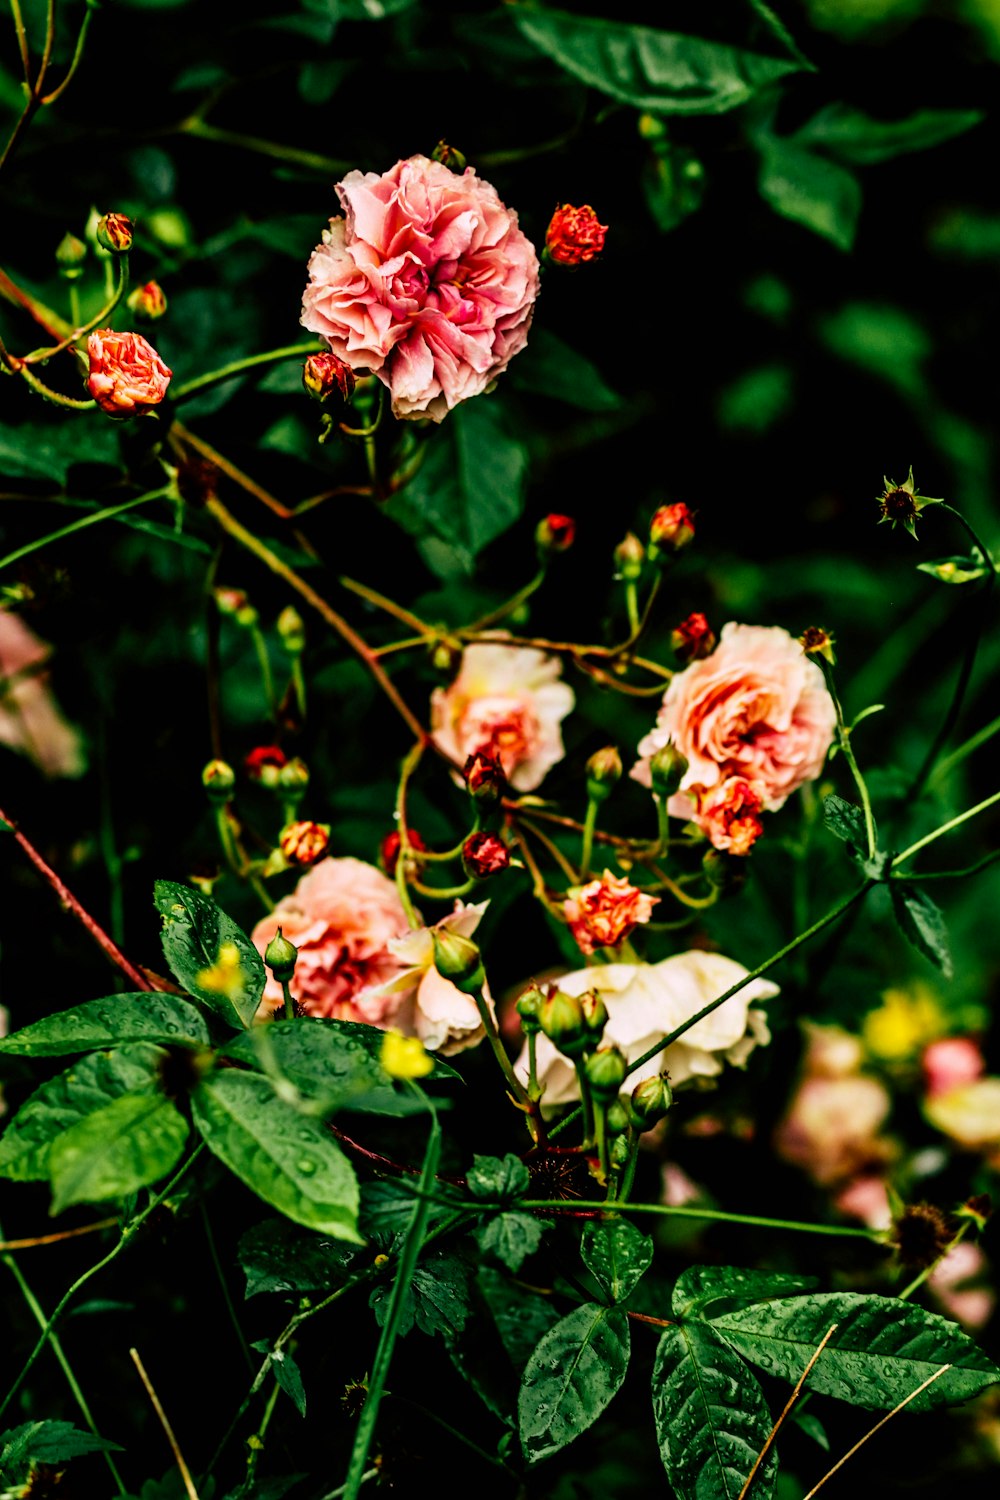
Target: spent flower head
(900,504)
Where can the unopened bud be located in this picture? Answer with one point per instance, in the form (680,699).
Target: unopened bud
(293,778)
(666,770)
(555,533)
(574,235)
(604,769)
(650,1101)
(607,1069)
(229,601)
(446,655)
(671,528)
(389,851)
(148,301)
(218,778)
(457,958)
(616,1121)
(246,615)
(484,778)
(529,1008)
(70,256)
(114,233)
(322,374)
(595,1012)
(725,873)
(815,641)
(265,763)
(630,555)
(483,855)
(693,639)
(621,1146)
(448,156)
(292,630)
(280,956)
(564,1024)
(304,843)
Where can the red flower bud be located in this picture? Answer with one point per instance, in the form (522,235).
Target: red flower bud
(127,376)
(264,763)
(555,533)
(671,529)
(692,639)
(322,374)
(304,843)
(484,778)
(148,301)
(389,851)
(574,235)
(484,854)
(114,233)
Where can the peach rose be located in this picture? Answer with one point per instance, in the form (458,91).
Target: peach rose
(756,708)
(728,814)
(602,913)
(831,1128)
(424,1003)
(506,702)
(341,916)
(127,376)
(426,281)
(645,1002)
(30,720)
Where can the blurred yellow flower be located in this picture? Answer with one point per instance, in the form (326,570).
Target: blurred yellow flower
(904,1024)
(225,976)
(405,1056)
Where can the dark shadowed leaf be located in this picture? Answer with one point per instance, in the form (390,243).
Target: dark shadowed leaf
(922,921)
(700,1287)
(131,1142)
(111,1022)
(571,1377)
(208,953)
(616,1253)
(277,1256)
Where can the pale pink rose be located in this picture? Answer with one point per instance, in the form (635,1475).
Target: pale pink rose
(961,1284)
(423,1002)
(831,1128)
(127,376)
(507,702)
(341,917)
(426,281)
(756,708)
(603,912)
(647,1001)
(950,1062)
(866,1197)
(30,719)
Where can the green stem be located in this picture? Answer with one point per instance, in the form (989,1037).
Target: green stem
(410,763)
(443,892)
(264,662)
(251,362)
(167,492)
(69,402)
(632,606)
(586,1101)
(499,1051)
(587,842)
(578,1205)
(981,864)
(628,1176)
(224,1286)
(327,166)
(299,684)
(508,607)
(128,1234)
(409,1255)
(38,356)
(844,740)
(958,755)
(929,838)
(81,38)
(226,839)
(256,1443)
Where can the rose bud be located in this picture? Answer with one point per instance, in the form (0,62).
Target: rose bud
(815,641)
(218,778)
(304,843)
(264,763)
(292,630)
(484,778)
(630,555)
(457,958)
(293,778)
(666,770)
(693,639)
(148,301)
(650,1101)
(564,1024)
(322,374)
(607,1069)
(616,1119)
(595,1012)
(229,601)
(114,233)
(280,956)
(448,156)
(604,769)
(555,533)
(574,235)
(127,376)
(389,851)
(446,655)
(529,1008)
(70,256)
(671,528)
(483,855)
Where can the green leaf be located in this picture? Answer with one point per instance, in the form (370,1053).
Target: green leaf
(468,490)
(571,1377)
(954,569)
(549,367)
(111,1022)
(338,1062)
(131,1142)
(711,1417)
(882,1350)
(510,1238)
(502,1181)
(922,922)
(277,1256)
(286,1158)
(47,450)
(437,1299)
(83,1089)
(845,820)
(852,136)
(654,70)
(47,1443)
(195,931)
(673,184)
(805,187)
(701,1286)
(286,1372)
(618,1254)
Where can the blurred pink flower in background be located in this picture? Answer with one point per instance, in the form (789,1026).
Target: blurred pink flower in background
(756,709)
(832,1126)
(30,719)
(426,281)
(506,702)
(951,1062)
(960,1284)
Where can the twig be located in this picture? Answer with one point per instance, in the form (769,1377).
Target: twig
(52,1239)
(185,1472)
(851,1451)
(787,1408)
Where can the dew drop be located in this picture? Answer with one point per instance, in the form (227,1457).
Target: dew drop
(306,1165)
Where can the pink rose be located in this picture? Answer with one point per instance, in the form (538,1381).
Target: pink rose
(951,1062)
(756,708)
(341,917)
(30,719)
(832,1127)
(505,702)
(127,375)
(728,814)
(426,281)
(602,913)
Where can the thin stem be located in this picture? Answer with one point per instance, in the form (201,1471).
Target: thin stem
(75,60)
(38,356)
(22,40)
(786,1409)
(844,741)
(252,361)
(508,607)
(372,596)
(166,492)
(981,864)
(220,1276)
(410,763)
(553,848)
(929,838)
(56,397)
(577,1205)
(264,662)
(587,843)
(588,1104)
(514,1083)
(185,1472)
(965,749)
(871,1433)
(6,1246)
(327,166)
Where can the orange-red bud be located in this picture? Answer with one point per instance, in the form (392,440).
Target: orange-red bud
(322,374)
(574,235)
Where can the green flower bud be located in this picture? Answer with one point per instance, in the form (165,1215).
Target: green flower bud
(280,956)
(291,628)
(293,778)
(616,1120)
(666,769)
(604,769)
(650,1101)
(595,1012)
(218,778)
(621,1150)
(70,256)
(607,1069)
(448,156)
(630,555)
(563,1023)
(529,1008)
(457,958)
